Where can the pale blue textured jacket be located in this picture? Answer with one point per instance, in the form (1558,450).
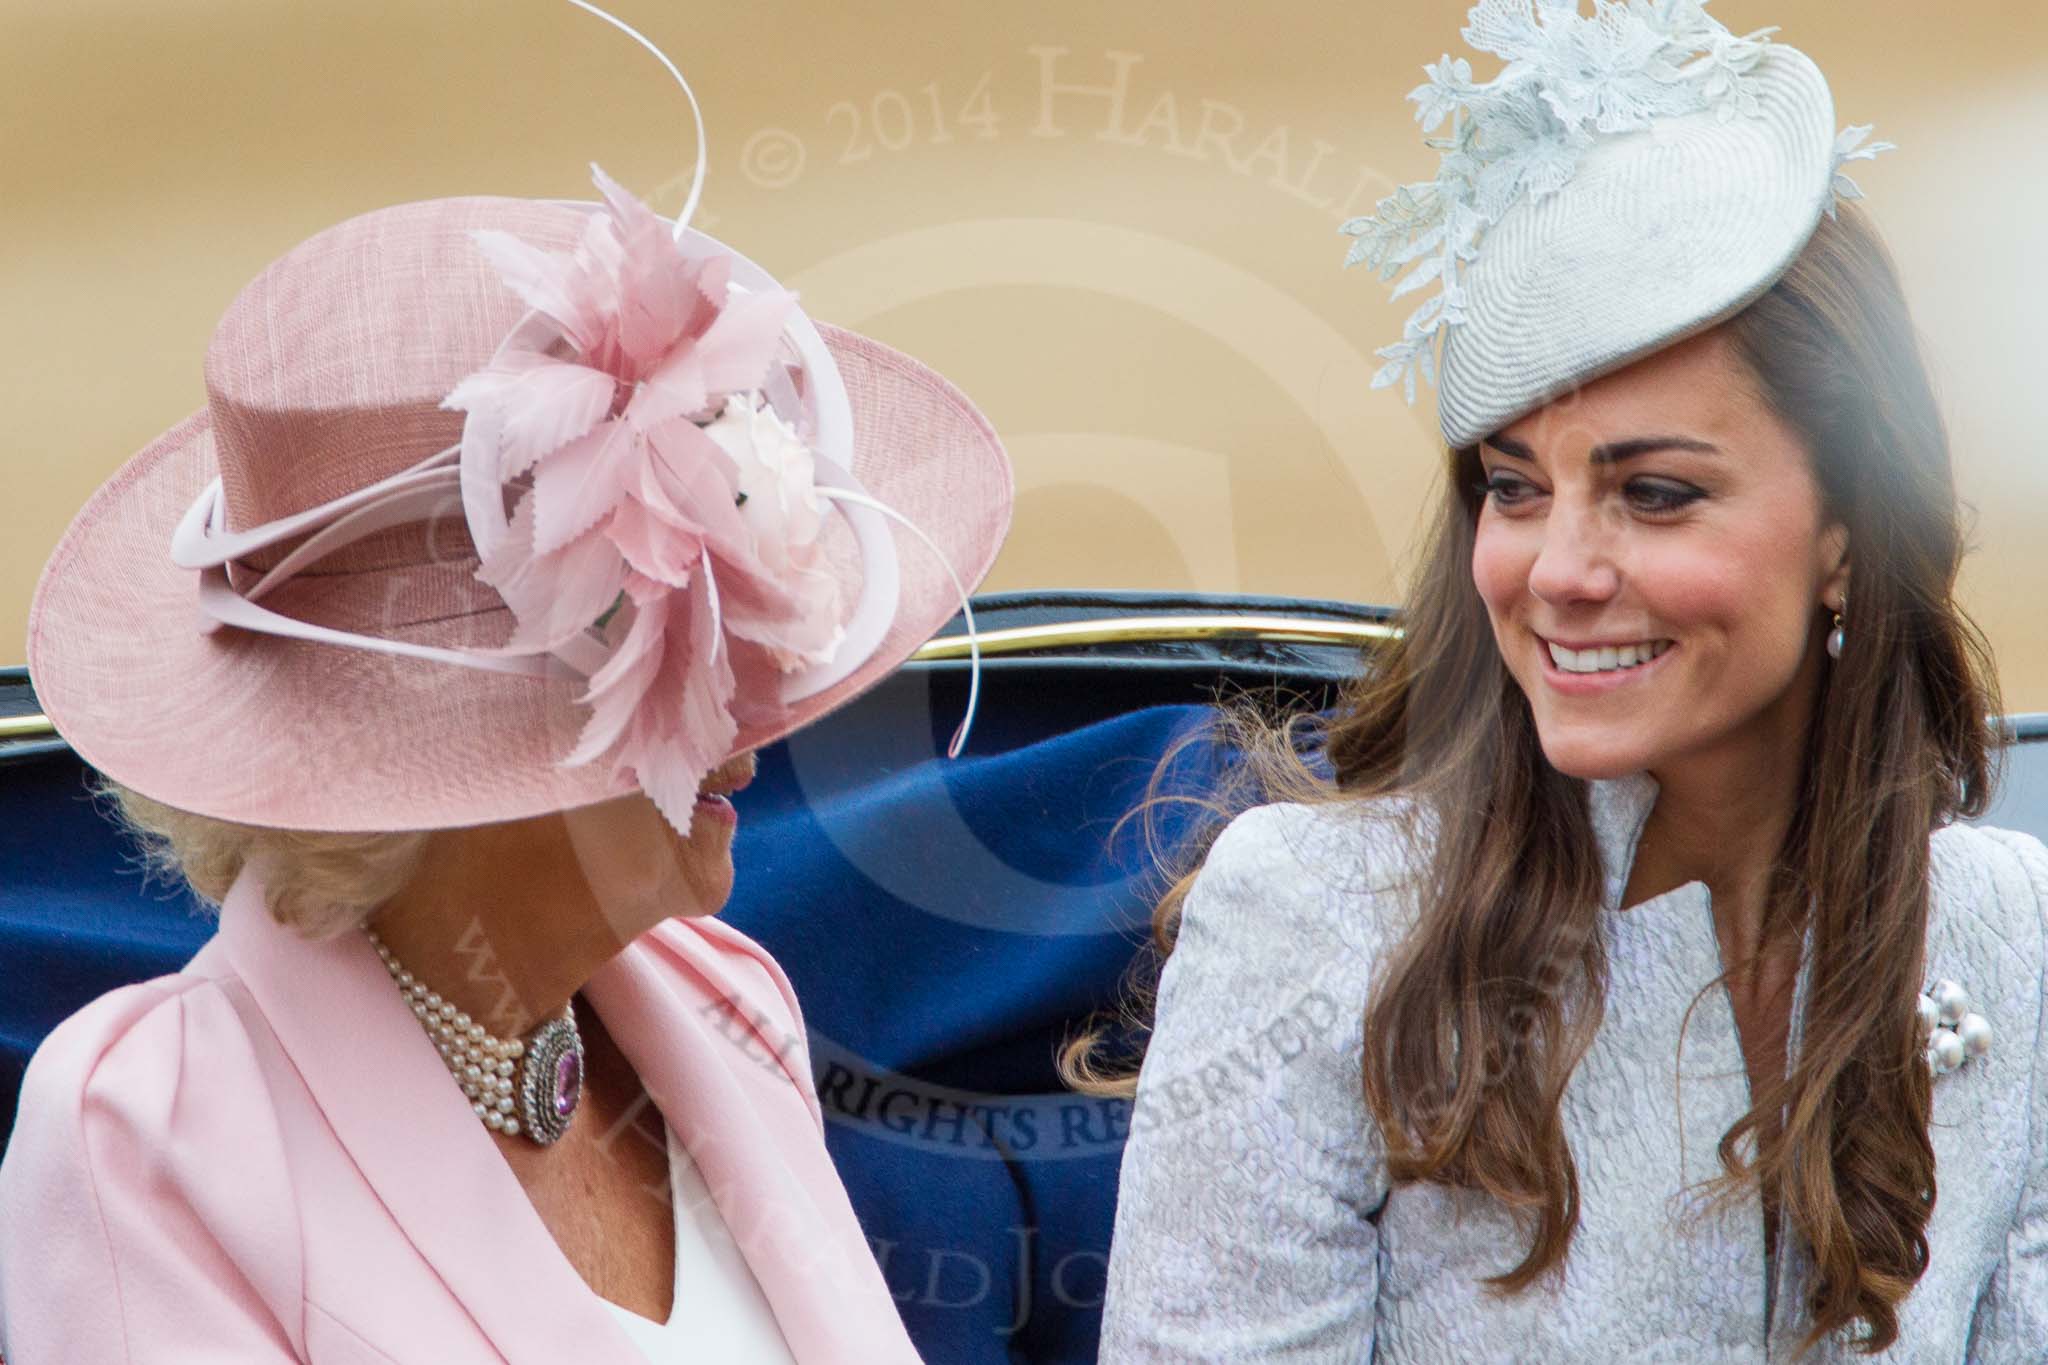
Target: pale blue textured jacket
(1256,1221)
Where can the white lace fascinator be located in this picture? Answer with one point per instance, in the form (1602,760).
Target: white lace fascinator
(1628,178)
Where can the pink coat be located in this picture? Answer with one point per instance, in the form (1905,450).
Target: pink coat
(262,1159)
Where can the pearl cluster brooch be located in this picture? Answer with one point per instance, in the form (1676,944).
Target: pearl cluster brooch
(515,1086)
(1954,1030)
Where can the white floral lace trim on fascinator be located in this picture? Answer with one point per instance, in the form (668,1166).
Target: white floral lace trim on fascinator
(1570,80)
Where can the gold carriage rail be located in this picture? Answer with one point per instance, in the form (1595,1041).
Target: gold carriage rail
(1049,637)
(32,727)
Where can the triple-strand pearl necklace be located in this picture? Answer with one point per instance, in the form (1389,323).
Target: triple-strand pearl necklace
(517,1087)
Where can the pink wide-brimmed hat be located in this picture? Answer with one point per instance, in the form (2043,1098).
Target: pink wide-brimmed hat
(499,507)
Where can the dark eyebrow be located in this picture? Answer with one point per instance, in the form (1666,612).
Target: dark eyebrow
(1614,452)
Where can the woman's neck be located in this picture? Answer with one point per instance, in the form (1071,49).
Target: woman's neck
(1724,829)
(509,920)
(501,920)
(1725,825)
(1722,815)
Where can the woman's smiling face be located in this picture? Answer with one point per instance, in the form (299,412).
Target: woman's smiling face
(1662,514)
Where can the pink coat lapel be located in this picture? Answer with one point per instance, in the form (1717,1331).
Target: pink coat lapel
(707,1021)
(385,1092)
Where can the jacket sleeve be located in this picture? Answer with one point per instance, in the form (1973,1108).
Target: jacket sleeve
(2011,1324)
(1252,1178)
(145,1210)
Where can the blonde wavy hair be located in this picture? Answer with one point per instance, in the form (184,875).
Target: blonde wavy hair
(318,884)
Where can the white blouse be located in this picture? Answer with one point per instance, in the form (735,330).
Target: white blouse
(718,1311)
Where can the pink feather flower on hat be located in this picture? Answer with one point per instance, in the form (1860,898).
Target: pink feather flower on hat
(663,499)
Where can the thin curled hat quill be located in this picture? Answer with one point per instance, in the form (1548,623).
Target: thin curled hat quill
(670,508)
(1570,82)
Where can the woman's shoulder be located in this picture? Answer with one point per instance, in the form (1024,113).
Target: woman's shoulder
(1349,846)
(133,1058)
(146,1025)
(2000,875)
(1988,923)
(746,986)
(1296,883)
(729,962)
(153,1095)
(145,1127)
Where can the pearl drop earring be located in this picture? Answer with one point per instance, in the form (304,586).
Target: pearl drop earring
(1837,636)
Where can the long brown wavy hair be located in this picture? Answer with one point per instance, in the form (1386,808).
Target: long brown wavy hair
(1469,1095)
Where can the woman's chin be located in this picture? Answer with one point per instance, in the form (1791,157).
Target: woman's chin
(1595,757)
(706,889)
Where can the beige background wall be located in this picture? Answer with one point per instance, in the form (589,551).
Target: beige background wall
(1113,224)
